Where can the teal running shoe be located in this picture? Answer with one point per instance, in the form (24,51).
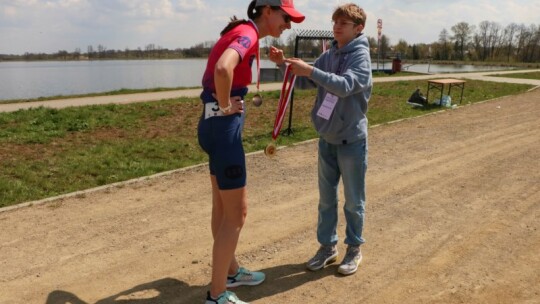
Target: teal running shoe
(245,277)
(227,297)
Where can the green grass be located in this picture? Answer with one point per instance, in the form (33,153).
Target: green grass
(525,75)
(398,74)
(46,152)
(110,93)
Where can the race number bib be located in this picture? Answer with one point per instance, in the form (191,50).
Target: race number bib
(211,109)
(328,105)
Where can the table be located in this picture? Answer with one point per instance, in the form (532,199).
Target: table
(438,84)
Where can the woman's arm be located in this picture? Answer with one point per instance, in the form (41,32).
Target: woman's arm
(223,77)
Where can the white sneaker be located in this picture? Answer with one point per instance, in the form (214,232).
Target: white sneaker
(326,255)
(350,262)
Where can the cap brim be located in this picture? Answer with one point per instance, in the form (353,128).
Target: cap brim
(296,16)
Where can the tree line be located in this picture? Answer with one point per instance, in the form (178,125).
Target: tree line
(101,52)
(488,41)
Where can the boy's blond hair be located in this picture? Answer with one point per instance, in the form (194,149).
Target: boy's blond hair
(350,11)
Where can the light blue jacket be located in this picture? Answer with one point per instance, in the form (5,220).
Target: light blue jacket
(345,73)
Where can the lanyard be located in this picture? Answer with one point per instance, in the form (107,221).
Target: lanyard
(340,65)
(284,98)
(258,67)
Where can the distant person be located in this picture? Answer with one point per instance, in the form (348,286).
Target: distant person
(225,81)
(344,83)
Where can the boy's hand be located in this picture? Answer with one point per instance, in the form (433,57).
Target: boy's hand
(299,67)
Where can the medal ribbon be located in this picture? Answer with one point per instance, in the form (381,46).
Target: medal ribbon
(284,99)
(258,66)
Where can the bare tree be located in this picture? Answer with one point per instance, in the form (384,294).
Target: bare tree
(77,54)
(149,49)
(372,46)
(535,43)
(101,50)
(483,39)
(495,39)
(384,45)
(272,41)
(476,47)
(523,42)
(509,36)
(462,35)
(90,51)
(62,54)
(444,47)
(291,41)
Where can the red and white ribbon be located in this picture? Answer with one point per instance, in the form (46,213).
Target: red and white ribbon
(284,99)
(258,66)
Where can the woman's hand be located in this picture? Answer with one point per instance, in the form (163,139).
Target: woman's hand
(236,102)
(237,105)
(276,56)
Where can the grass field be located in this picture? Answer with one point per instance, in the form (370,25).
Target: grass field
(46,152)
(529,75)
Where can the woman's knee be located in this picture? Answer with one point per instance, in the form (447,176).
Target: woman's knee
(236,221)
(235,206)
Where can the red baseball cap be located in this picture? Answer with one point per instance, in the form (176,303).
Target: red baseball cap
(286,5)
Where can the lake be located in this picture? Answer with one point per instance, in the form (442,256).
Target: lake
(26,80)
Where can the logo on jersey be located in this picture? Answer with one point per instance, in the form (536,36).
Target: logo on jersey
(244,41)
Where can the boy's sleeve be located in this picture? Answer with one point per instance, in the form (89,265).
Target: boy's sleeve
(353,80)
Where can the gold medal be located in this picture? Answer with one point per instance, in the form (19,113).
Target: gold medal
(257,100)
(270,150)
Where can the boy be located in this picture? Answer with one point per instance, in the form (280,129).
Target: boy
(343,77)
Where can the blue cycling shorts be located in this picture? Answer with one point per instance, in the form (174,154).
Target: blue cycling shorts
(221,138)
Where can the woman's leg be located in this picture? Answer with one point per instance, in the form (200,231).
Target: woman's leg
(217,219)
(232,205)
(228,206)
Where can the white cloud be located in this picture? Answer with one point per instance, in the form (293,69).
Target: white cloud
(50,25)
(9,12)
(192,5)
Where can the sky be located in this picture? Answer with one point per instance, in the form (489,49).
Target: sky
(47,26)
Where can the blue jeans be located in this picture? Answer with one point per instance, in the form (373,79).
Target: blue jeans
(350,162)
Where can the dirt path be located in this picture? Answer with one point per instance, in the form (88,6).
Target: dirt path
(452,217)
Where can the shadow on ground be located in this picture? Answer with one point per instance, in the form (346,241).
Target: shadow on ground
(279,279)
